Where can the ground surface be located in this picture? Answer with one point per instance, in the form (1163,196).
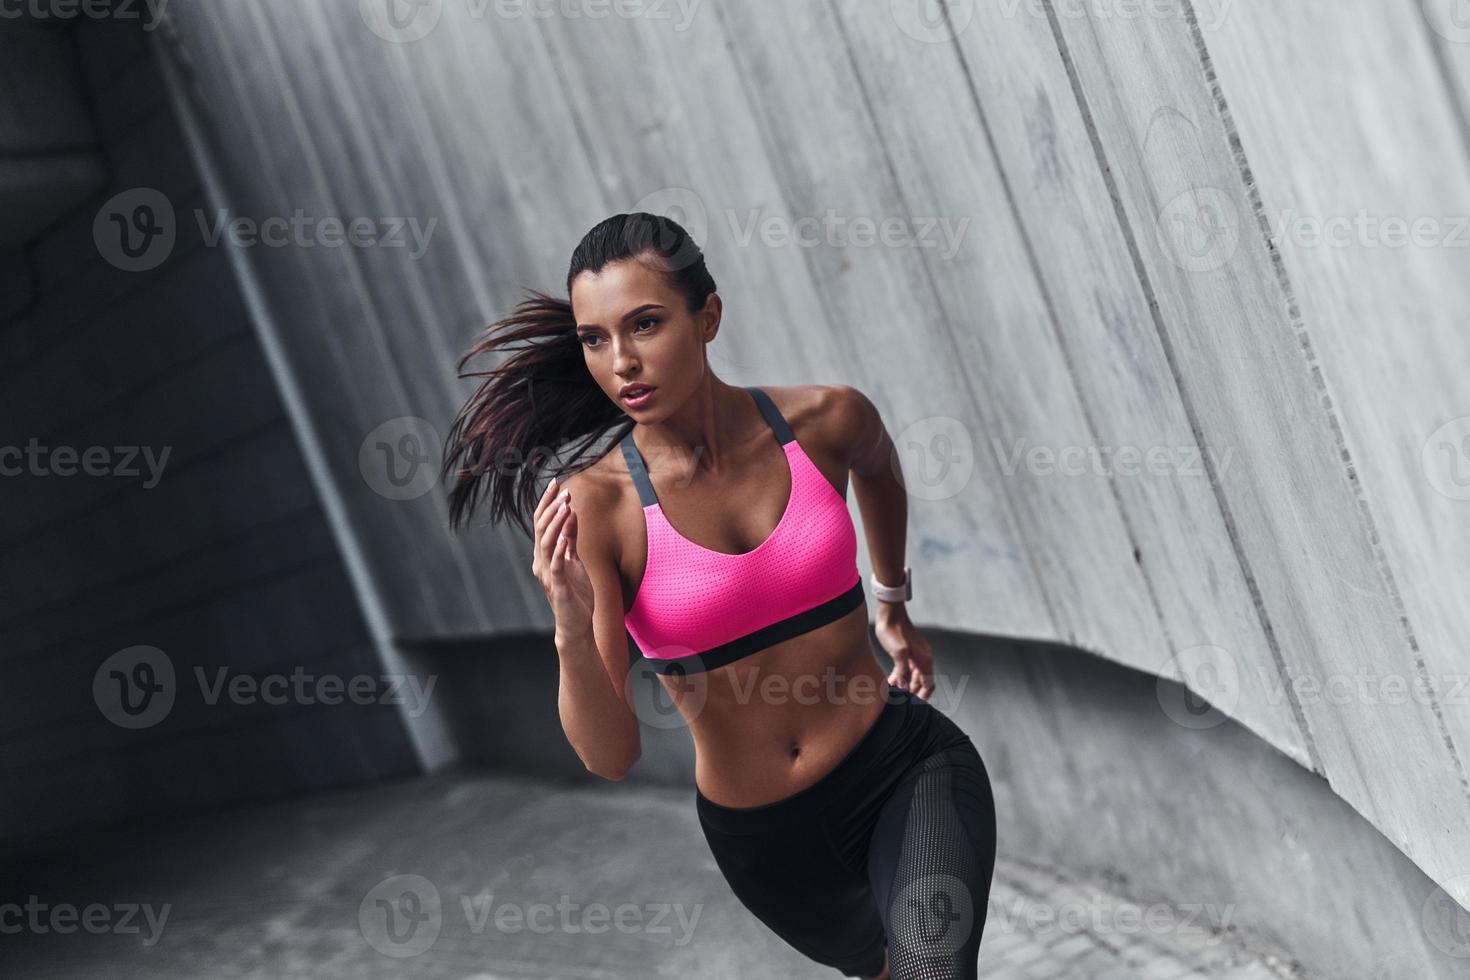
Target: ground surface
(502,877)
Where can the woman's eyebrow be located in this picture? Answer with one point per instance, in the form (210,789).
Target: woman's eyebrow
(626,316)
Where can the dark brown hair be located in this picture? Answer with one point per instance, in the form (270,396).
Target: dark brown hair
(542,396)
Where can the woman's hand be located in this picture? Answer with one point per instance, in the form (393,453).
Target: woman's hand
(913,660)
(556,564)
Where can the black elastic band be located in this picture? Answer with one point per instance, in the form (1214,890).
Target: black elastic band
(829,611)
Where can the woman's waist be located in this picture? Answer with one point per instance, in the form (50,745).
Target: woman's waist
(906,730)
(792,691)
(766,752)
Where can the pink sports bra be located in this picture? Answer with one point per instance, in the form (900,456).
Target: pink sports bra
(697,609)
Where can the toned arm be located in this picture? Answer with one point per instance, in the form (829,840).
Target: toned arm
(876,482)
(592,696)
(861,430)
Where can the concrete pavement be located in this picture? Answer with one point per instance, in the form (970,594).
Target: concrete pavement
(472,875)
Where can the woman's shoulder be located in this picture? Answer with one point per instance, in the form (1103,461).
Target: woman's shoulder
(825,419)
(601,483)
(605,500)
(820,415)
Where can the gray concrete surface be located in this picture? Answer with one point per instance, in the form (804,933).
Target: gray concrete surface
(1096,255)
(290,890)
(194,555)
(1307,529)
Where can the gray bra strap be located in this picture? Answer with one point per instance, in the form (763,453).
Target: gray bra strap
(773,415)
(634,458)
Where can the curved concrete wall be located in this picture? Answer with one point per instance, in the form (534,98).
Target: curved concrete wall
(1032,232)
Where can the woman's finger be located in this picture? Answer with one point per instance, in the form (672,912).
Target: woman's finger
(558,549)
(571,532)
(562,521)
(547,542)
(547,496)
(925,685)
(543,539)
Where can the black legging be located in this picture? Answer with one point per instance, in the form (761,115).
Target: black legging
(895,846)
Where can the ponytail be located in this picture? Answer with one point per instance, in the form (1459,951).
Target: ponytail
(538,398)
(542,396)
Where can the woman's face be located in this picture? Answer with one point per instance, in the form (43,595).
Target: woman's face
(634,328)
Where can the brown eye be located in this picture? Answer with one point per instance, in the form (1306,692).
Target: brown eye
(647,319)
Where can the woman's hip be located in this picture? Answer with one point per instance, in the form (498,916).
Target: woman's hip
(840,809)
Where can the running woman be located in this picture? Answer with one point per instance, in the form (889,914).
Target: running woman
(848,814)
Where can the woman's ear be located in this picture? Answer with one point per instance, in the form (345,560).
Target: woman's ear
(713,308)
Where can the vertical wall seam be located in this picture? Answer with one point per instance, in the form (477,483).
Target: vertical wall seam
(1319,381)
(1461,113)
(764,127)
(1034,261)
(432,160)
(888,165)
(1135,255)
(427,749)
(1446,76)
(372,319)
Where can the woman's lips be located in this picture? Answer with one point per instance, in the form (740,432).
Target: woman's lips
(640,399)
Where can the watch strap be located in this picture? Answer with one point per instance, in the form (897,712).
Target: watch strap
(893,593)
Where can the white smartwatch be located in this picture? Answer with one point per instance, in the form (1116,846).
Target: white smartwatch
(893,593)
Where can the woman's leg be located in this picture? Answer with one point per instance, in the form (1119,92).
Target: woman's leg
(789,877)
(930,862)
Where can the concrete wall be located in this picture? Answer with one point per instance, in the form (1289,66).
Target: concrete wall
(222,560)
(1114,179)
